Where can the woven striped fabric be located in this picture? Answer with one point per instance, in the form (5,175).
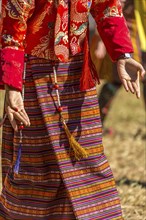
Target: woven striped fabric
(51,184)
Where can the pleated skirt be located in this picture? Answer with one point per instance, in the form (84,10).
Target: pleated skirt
(51,184)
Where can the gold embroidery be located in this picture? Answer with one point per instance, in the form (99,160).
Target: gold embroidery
(41,50)
(17,8)
(62,51)
(111,12)
(76,15)
(36,24)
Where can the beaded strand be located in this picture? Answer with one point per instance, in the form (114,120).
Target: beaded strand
(75,148)
(21,127)
(56,86)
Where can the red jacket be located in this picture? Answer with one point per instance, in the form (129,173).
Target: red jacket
(51,30)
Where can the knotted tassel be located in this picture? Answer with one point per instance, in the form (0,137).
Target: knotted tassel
(78,150)
(17,164)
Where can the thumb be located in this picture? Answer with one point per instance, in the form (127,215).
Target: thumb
(141,71)
(11,97)
(12,119)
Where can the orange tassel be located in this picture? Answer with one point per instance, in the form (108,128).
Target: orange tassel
(78,150)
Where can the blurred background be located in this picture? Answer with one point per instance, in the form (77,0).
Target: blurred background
(124,130)
(125,148)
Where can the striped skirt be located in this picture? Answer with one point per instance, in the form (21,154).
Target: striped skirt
(51,184)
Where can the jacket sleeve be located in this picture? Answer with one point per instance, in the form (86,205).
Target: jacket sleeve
(112,27)
(14,26)
(1,84)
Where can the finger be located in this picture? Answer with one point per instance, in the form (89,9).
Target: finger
(125,85)
(21,118)
(14,99)
(136,84)
(10,102)
(138,93)
(12,119)
(136,88)
(142,71)
(14,106)
(24,112)
(130,87)
(25,116)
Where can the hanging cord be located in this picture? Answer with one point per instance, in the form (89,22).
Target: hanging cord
(21,127)
(78,151)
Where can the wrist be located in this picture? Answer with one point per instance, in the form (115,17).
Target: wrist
(125,56)
(10,88)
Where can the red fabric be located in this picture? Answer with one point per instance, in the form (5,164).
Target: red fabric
(12,65)
(116,36)
(1,74)
(89,76)
(41,29)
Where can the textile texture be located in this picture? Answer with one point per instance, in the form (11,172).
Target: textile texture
(56,30)
(51,184)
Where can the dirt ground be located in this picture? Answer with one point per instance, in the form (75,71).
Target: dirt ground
(125,149)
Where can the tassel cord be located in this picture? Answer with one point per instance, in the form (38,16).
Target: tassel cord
(78,151)
(18,160)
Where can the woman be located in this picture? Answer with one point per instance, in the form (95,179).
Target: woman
(106,68)
(53,161)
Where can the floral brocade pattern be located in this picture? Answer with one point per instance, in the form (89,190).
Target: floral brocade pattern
(59,38)
(17,13)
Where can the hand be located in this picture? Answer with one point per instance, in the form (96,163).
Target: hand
(100,51)
(97,51)
(130,72)
(14,108)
